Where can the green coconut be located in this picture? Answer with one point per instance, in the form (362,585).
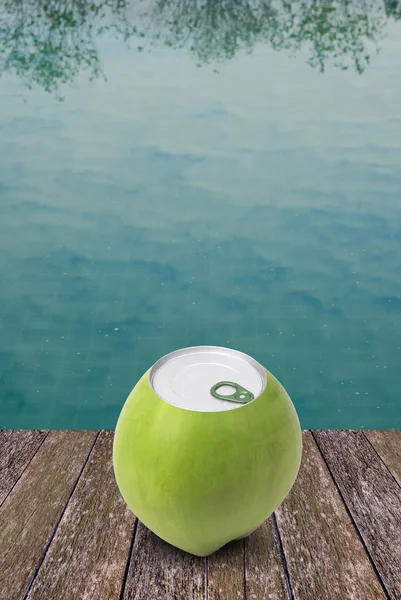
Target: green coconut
(201,479)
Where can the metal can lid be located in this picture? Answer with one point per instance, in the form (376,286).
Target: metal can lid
(188,378)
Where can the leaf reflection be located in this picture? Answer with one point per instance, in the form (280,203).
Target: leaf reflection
(50,42)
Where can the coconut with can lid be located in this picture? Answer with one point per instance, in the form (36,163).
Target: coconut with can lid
(207,445)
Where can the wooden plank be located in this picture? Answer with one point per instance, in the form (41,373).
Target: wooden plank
(89,553)
(32,510)
(17,447)
(388,445)
(265,575)
(226,572)
(159,571)
(325,556)
(373,498)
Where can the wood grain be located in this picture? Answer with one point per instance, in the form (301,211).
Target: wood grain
(158,571)
(325,556)
(17,449)
(89,553)
(31,512)
(265,575)
(373,497)
(226,572)
(388,445)
(68,538)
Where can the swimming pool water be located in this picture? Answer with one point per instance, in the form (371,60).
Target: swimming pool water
(233,183)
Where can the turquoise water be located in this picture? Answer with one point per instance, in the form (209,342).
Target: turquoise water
(205,173)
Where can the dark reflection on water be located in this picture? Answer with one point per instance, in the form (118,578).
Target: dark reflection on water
(251,203)
(48,42)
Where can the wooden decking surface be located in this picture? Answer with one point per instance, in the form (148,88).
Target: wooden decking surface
(66,534)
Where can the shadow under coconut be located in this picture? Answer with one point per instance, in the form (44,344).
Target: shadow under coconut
(170,572)
(163,569)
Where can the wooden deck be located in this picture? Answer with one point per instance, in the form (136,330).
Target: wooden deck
(66,534)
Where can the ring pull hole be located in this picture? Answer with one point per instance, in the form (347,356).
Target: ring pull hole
(226,390)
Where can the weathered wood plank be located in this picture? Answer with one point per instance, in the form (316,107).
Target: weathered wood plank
(265,575)
(226,572)
(325,556)
(388,445)
(17,447)
(372,496)
(89,553)
(31,512)
(159,571)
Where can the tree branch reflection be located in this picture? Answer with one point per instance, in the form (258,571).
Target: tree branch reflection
(50,42)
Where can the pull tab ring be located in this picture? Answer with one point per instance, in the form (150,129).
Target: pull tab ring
(240,395)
